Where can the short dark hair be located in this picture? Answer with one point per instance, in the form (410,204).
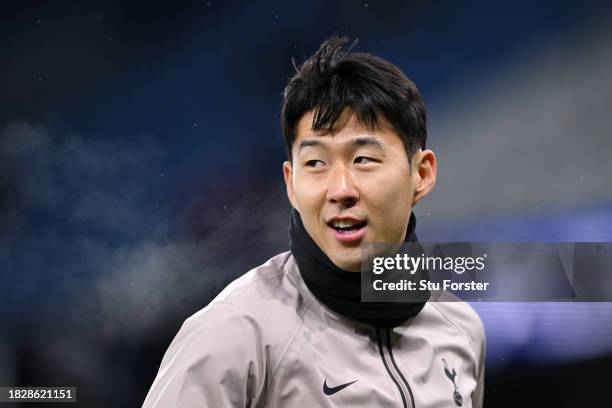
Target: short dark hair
(335,77)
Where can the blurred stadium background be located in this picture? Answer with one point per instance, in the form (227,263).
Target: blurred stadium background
(140,171)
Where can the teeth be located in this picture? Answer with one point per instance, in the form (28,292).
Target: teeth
(344,224)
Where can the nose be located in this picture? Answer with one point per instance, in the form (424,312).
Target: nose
(342,189)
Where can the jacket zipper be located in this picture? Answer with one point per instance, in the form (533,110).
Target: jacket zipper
(394,365)
(397,368)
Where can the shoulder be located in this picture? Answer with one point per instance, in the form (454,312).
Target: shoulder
(463,317)
(262,290)
(262,307)
(225,350)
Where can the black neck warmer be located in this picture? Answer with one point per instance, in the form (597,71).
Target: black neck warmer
(340,290)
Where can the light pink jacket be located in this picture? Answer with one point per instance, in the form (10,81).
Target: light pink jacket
(265,341)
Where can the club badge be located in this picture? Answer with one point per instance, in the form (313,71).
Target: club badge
(457,398)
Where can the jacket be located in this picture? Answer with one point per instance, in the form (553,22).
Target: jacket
(266,341)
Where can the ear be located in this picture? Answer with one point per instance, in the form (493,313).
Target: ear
(288,174)
(424,167)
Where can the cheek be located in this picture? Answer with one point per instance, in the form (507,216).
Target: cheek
(307,195)
(397,184)
(391,197)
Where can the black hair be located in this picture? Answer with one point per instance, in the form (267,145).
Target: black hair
(335,77)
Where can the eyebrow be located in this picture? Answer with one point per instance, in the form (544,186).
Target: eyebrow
(359,141)
(308,142)
(368,141)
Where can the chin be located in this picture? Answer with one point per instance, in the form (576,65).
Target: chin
(345,258)
(350,265)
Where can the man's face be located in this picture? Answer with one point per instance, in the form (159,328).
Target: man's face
(354,186)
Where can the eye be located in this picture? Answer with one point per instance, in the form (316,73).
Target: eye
(364,160)
(314,163)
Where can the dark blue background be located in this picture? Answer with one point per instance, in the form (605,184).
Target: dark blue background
(140,170)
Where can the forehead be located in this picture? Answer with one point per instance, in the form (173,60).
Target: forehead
(347,126)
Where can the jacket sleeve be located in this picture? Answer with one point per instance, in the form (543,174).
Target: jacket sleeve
(212,362)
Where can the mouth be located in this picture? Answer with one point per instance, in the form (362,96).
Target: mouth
(348,230)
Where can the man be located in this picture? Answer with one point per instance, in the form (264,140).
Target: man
(293,331)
